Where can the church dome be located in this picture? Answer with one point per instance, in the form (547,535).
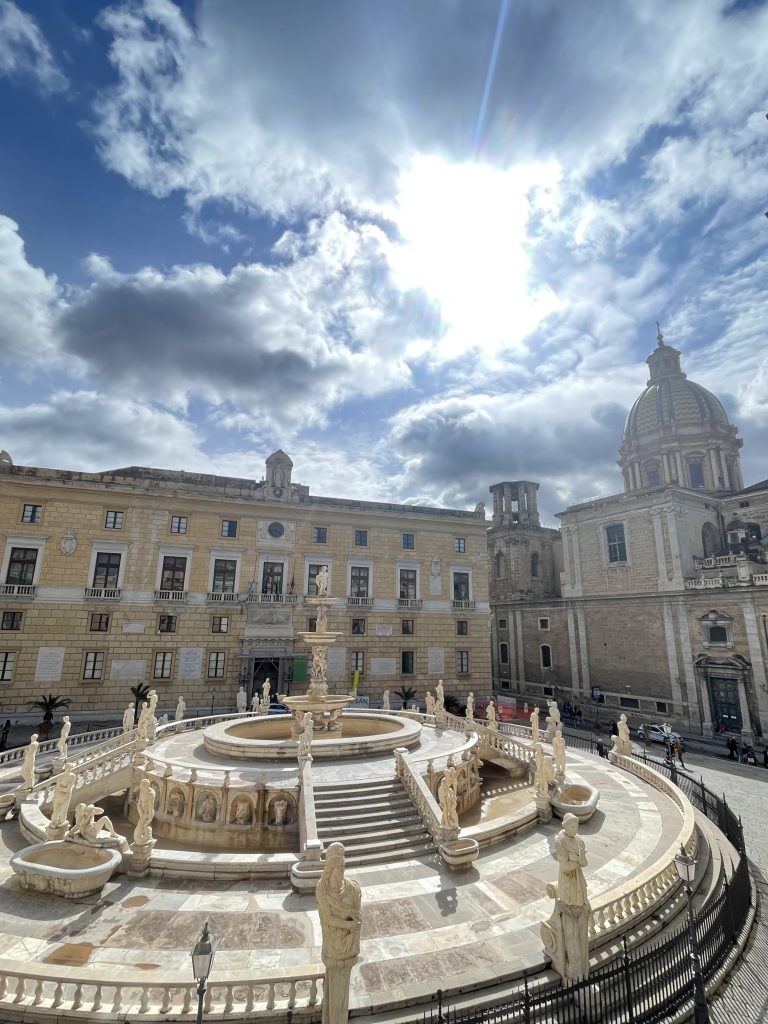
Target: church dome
(672,403)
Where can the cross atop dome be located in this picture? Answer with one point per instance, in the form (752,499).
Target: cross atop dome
(659,336)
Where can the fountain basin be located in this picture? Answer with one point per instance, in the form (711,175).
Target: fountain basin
(363,734)
(575,798)
(64,868)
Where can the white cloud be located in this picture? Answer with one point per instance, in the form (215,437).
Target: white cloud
(29,302)
(24,51)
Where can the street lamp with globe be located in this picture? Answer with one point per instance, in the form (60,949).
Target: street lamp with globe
(202,962)
(686,869)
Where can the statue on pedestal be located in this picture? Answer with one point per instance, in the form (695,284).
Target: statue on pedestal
(152,702)
(470,712)
(62,794)
(61,742)
(566,934)
(622,742)
(321,582)
(266,693)
(385,701)
(429,700)
(490,715)
(439,696)
(535,726)
(305,737)
(242,701)
(181,709)
(145,722)
(558,749)
(255,703)
(447,796)
(129,716)
(339,902)
(28,764)
(145,807)
(88,827)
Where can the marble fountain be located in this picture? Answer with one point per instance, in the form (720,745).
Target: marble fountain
(446,823)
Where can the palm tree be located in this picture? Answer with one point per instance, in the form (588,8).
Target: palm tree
(140,692)
(406,693)
(49,705)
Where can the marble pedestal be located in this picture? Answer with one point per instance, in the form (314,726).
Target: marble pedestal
(138,865)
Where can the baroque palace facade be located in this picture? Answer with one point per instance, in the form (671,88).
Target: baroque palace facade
(194,584)
(653,601)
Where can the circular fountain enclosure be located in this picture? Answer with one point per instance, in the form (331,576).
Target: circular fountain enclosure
(363,734)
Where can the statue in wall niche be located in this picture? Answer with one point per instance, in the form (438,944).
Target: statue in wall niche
(447,795)
(439,696)
(566,934)
(28,764)
(277,811)
(558,749)
(266,692)
(176,804)
(145,720)
(61,742)
(470,712)
(145,809)
(87,826)
(207,809)
(535,726)
(181,709)
(242,812)
(62,794)
(321,582)
(129,716)
(490,715)
(429,700)
(385,701)
(242,700)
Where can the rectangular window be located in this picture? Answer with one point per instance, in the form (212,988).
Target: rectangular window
(312,571)
(113,521)
(543,623)
(358,581)
(407,584)
(462,627)
(629,702)
(11,620)
(696,474)
(106,570)
(461,586)
(228,527)
(406,627)
(224,572)
(361,538)
(178,524)
(502,623)
(216,664)
(162,665)
(7,659)
(409,541)
(462,662)
(220,624)
(661,705)
(312,624)
(319,534)
(93,666)
(174,572)
(99,622)
(166,624)
(21,566)
(32,514)
(459,545)
(617,547)
(358,627)
(357,661)
(272,578)
(406,663)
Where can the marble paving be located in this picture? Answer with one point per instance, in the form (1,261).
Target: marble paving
(421,922)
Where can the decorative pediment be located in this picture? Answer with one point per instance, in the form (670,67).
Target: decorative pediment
(715,618)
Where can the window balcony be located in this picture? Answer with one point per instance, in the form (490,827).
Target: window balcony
(760,579)
(17,590)
(223,597)
(171,596)
(273,599)
(716,583)
(102,593)
(463,605)
(409,602)
(359,602)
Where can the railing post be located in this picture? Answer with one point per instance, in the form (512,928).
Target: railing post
(440,1018)
(730,909)
(628,982)
(526,1000)
(672,769)
(703,796)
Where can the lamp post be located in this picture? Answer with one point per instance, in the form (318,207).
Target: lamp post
(202,962)
(686,868)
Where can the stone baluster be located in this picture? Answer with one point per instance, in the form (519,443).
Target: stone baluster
(117,1002)
(144,1003)
(186,1006)
(313,992)
(20,987)
(292,994)
(96,999)
(208,1001)
(167,1003)
(38,996)
(77,1001)
(58,995)
(271,996)
(229,999)
(249,998)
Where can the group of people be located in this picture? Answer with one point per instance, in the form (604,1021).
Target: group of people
(744,752)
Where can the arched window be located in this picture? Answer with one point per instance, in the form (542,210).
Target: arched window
(501,565)
(709,540)
(653,474)
(546,656)
(534,564)
(504,654)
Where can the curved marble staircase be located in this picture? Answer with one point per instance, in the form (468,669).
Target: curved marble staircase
(375,821)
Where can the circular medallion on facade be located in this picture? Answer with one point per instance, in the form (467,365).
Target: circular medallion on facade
(275,529)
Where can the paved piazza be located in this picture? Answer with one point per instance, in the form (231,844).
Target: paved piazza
(421,922)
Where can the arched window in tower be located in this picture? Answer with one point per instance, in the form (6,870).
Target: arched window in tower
(696,475)
(501,565)
(710,542)
(504,654)
(653,474)
(534,564)
(546,656)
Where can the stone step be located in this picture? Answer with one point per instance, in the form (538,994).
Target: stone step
(396,830)
(364,823)
(351,808)
(361,788)
(386,856)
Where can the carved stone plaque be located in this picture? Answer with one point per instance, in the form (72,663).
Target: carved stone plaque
(382,666)
(266,537)
(125,669)
(50,661)
(436,660)
(337,657)
(190,662)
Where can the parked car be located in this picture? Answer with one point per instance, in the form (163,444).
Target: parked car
(276,708)
(657,735)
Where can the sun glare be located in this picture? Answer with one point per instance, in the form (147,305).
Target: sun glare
(465,242)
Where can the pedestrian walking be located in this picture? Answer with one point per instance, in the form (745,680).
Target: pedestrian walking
(678,748)
(732,749)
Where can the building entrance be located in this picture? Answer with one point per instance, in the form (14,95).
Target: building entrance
(724,693)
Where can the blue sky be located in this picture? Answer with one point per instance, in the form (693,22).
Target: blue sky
(346,230)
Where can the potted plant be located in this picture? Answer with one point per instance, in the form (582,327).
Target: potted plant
(140,692)
(49,705)
(406,694)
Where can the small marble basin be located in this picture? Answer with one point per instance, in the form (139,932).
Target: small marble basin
(64,868)
(575,798)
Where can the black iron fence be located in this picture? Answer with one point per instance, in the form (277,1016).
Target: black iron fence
(641,986)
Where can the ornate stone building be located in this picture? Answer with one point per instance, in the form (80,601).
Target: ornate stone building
(194,583)
(656,597)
